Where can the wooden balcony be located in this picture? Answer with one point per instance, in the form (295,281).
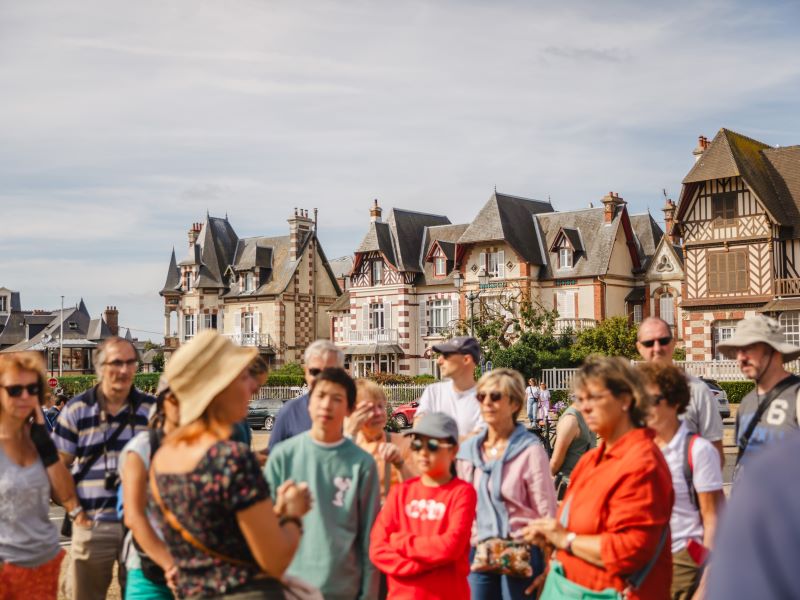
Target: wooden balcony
(787,287)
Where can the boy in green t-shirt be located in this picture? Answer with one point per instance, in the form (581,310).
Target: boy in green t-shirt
(334,552)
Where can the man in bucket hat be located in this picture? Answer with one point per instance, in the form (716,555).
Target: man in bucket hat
(769,412)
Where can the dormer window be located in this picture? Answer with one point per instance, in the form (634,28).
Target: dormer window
(3,304)
(72,325)
(565,258)
(249,282)
(377,272)
(440,266)
(187,281)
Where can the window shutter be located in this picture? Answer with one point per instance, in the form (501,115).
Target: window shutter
(365,324)
(482,260)
(501,263)
(257,322)
(237,323)
(220,321)
(387,315)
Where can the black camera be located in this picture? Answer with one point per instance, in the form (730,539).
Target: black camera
(111,482)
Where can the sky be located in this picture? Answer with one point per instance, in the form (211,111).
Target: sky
(124,122)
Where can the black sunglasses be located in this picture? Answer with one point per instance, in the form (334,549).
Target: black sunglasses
(493,396)
(15,391)
(662,341)
(432,445)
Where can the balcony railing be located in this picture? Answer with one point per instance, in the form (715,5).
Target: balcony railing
(434,330)
(576,325)
(787,287)
(371,336)
(259,340)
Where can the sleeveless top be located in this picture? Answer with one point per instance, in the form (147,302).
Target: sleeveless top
(580,445)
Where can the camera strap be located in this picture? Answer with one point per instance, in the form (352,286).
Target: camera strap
(89,462)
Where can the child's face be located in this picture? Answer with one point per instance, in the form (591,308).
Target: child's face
(327,406)
(433,463)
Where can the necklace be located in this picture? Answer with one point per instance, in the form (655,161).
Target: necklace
(495,448)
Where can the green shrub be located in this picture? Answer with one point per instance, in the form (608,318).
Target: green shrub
(294,369)
(280,379)
(72,385)
(736,390)
(389,378)
(424,379)
(147,382)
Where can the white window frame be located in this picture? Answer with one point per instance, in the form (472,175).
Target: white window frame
(790,321)
(638,311)
(440,315)
(189,324)
(440,265)
(3,304)
(565,258)
(377,316)
(376,272)
(187,281)
(721,331)
(248,323)
(249,282)
(209,321)
(565,304)
(666,308)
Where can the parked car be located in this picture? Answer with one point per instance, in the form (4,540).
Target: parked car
(721,397)
(261,413)
(403,415)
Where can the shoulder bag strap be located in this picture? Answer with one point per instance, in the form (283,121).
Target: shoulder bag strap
(387,470)
(184,533)
(744,441)
(636,580)
(688,467)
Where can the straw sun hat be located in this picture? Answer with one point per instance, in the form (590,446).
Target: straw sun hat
(759,329)
(203,367)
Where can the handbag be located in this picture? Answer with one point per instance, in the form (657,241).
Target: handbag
(558,587)
(294,587)
(502,557)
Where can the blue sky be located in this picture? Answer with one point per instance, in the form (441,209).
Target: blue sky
(122,123)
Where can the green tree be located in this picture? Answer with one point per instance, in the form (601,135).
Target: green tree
(158,361)
(612,337)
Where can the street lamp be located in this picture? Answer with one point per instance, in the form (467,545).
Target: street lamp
(472,295)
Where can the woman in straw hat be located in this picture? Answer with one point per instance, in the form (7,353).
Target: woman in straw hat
(223,531)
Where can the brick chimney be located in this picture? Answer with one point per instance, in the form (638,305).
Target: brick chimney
(702,145)
(375,212)
(300,225)
(194,233)
(669,219)
(111,317)
(610,203)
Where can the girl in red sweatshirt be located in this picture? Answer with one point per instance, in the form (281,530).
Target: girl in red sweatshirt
(421,536)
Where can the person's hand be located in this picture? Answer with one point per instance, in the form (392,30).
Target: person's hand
(391,453)
(171,576)
(544,532)
(360,415)
(83,520)
(535,588)
(293,499)
(38,414)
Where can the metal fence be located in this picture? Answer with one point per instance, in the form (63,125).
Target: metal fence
(721,370)
(396,394)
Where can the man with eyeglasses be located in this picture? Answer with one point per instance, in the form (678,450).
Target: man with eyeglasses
(455,398)
(655,343)
(90,433)
(293,417)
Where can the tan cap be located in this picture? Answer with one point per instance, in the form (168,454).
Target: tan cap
(203,367)
(760,329)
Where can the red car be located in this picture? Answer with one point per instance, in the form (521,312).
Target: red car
(403,415)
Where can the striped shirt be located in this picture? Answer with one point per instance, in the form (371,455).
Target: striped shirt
(80,432)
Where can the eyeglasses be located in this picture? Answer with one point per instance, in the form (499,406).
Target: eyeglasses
(493,396)
(15,391)
(432,445)
(314,372)
(119,364)
(662,341)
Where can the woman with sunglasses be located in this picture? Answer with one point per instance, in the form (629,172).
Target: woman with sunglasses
(509,468)
(613,525)
(30,472)
(698,491)
(420,539)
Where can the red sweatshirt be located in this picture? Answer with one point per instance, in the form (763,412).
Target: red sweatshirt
(421,540)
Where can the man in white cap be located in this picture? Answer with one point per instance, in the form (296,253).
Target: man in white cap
(770,411)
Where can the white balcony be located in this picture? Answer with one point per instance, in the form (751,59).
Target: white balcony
(576,325)
(259,340)
(370,336)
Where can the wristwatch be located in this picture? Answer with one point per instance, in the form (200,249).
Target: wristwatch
(75,512)
(571,535)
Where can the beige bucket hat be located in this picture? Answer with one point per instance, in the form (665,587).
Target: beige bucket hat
(760,329)
(203,367)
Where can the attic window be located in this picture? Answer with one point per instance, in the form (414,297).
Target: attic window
(249,282)
(564,258)
(440,265)
(187,281)
(377,272)
(72,325)
(3,303)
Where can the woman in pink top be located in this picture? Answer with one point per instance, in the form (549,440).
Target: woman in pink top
(510,471)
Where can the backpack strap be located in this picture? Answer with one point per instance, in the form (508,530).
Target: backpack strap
(744,440)
(688,467)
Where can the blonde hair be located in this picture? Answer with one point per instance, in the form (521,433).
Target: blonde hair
(27,361)
(618,375)
(508,381)
(370,388)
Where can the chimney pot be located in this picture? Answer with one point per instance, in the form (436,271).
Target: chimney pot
(375,212)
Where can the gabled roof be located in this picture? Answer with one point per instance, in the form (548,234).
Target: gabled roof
(772,173)
(173,281)
(666,247)
(573,237)
(218,242)
(648,234)
(98,330)
(444,237)
(509,218)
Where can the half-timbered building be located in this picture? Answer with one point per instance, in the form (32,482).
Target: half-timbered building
(739,222)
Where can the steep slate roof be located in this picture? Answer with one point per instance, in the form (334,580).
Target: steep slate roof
(253,252)
(98,330)
(379,239)
(173,281)
(219,243)
(341,266)
(446,237)
(509,218)
(281,274)
(74,337)
(14,330)
(648,235)
(772,173)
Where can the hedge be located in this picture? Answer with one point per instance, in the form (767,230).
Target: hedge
(290,380)
(72,385)
(736,390)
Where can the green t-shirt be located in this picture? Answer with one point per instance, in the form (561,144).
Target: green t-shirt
(334,551)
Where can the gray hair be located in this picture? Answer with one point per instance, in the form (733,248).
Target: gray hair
(102,350)
(321,348)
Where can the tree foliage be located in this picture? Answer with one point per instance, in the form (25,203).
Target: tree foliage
(615,336)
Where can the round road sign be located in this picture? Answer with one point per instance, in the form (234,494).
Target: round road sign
(52,382)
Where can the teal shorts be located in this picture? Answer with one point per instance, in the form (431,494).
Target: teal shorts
(139,587)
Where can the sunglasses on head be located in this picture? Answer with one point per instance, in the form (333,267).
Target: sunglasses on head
(433,445)
(493,396)
(662,341)
(15,391)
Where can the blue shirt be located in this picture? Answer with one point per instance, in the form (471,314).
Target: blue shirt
(757,549)
(293,418)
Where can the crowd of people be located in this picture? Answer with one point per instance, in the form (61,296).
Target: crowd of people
(465,504)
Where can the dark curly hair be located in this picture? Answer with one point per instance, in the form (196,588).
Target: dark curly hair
(670,380)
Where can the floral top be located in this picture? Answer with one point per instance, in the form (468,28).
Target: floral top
(205,501)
